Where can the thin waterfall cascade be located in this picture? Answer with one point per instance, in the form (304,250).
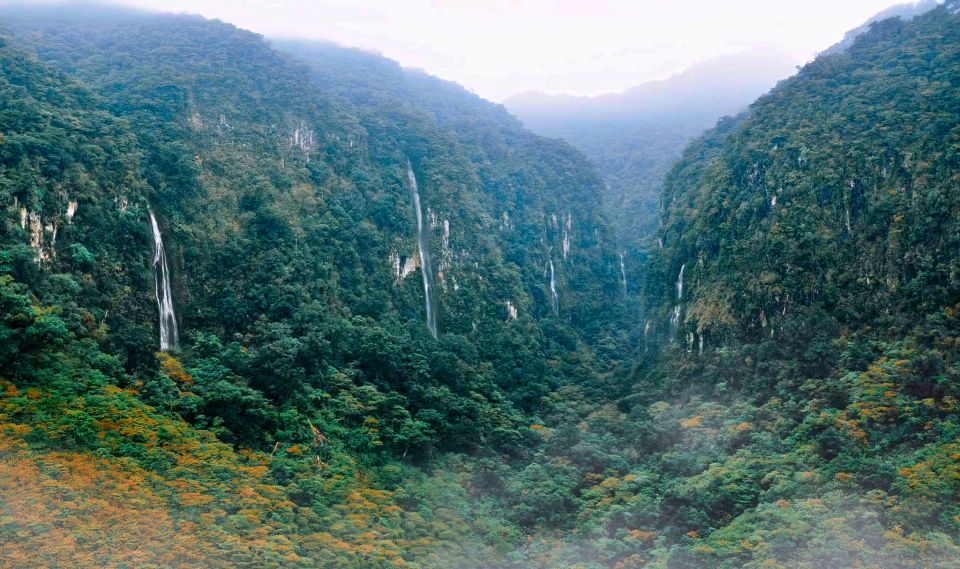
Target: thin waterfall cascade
(169,334)
(623,274)
(680,282)
(700,351)
(567,230)
(423,248)
(553,289)
(675,321)
(71,210)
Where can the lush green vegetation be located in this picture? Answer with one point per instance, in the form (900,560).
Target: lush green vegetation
(286,206)
(309,418)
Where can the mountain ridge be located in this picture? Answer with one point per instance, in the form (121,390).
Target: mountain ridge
(670,95)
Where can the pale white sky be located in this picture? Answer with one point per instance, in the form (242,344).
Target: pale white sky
(500,47)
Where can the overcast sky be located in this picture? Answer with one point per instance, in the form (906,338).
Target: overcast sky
(500,47)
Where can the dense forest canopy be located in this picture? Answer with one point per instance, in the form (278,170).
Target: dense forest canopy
(781,390)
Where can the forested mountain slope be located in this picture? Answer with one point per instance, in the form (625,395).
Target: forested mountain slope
(289,217)
(518,174)
(846,205)
(75,289)
(904,11)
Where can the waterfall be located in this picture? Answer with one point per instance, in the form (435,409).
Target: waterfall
(423,247)
(553,289)
(680,283)
(675,322)
(169,336)
(511,311)
(623,274)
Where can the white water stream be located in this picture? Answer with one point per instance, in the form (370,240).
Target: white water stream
(169,335)
(423,247)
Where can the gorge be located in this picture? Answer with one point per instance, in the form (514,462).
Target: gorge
(215,352)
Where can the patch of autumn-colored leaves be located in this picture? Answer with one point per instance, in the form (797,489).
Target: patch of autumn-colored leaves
(692,422)
(541,430)
(642,535)
(203,505)
(116,514)
(173,369)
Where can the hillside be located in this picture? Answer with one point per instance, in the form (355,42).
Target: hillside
(75,291)
(267,189)
(799,402)
(501,154)
(904,11)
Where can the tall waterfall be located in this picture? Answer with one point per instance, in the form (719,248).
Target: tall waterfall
(623,274)
(680,283)
(169,335)
(678,309)
(423,247)
(553,289)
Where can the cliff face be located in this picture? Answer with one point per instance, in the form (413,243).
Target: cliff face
(843,204)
